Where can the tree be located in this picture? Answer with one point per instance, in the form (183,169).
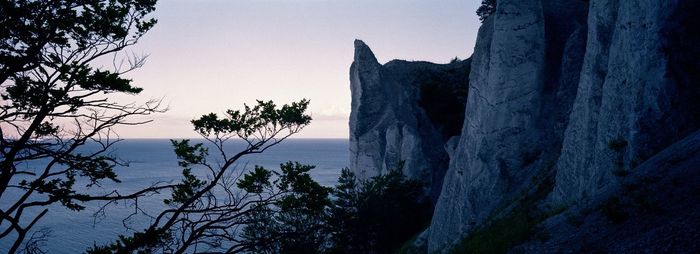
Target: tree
(55,101)
(487,8)
(343,222)
(377,215)
(214,201)
(373,216)
(295,222)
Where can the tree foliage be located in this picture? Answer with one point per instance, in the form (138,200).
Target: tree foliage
(373,216)
(377,215)
(294,223)
(487,8)
(55,100)
(210,214)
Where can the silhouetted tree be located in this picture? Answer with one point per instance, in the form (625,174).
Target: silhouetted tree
(377,215)
(343,221)
(373,216)
(295,222)
(210,214)
(55,100)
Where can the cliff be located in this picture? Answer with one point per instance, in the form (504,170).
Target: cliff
(523,81)
(569,104)
(404,113)
(654,209)
(566,97)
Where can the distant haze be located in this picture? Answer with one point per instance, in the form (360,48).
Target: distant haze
(209,56)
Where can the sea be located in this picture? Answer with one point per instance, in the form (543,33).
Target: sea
(153,161)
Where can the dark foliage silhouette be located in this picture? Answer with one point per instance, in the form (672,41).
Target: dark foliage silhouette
(55,101)
(487,8)
(215,200)
(377,215)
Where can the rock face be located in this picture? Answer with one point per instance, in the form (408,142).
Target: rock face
(654,209)
(571,92)
(524,72)
(569,102)
(634,97)
(404,112)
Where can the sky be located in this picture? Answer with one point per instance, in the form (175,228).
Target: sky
(211,55)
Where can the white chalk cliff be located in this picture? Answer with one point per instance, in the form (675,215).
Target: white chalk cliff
(564,98)
(404,113)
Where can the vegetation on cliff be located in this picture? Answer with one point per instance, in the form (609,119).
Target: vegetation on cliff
(373,216)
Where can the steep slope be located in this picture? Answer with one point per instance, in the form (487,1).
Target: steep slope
(524,69)
(572,106)
(404,112)
(654,209)
(562,108)
(635,96)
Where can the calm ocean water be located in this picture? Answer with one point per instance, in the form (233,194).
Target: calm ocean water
(152,160)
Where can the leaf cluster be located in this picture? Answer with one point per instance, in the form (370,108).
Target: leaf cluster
(152,237)
(30,26)
(187,189)
(293,223)
(487,8)
(58,39)
(256,181)
(372,216)
(261,119)
(377,215)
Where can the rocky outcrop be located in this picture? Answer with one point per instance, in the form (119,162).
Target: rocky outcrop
(654,209)
(635,95)
(541,110)
(570,103)
(404,112)
(523,80)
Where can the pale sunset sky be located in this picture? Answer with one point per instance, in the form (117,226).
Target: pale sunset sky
(212,55)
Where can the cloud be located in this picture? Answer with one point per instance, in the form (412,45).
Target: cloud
(331,113)
(329,117)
